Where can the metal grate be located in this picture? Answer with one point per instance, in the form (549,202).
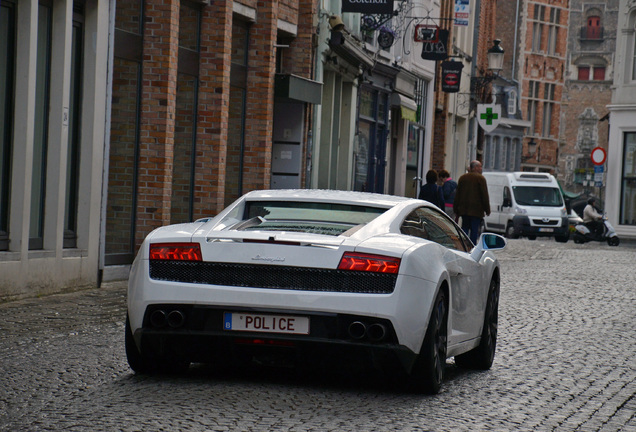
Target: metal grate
(274,277)
(551,222)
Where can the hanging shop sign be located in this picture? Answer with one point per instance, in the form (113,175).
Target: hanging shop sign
(451,76)
(462,12)
(488,116)
(436,50)
(368,7)
(426,33)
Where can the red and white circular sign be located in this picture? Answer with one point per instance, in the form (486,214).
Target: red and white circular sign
(598,156)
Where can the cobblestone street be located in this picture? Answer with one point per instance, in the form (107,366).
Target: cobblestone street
(565,362)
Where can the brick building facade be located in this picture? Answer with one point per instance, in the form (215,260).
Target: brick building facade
(542,64)
(193,108)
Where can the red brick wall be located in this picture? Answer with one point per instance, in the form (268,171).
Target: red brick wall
(157,114)
(260,98)
(158,168)
(545,68)
(120,211)
(214,96)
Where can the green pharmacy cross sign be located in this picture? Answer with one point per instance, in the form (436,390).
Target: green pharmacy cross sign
(488,116)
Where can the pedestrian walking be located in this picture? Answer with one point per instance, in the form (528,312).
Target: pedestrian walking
(449,187)
(430,191)
(471,200)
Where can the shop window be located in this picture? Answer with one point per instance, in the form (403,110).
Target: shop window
(628,187)
(123,173)
(40,136)
(7,61)
(73,156)
(185,131)
(370,148)
(235,155)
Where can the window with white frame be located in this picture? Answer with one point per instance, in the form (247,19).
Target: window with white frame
(7,59)
(634,55)
(628,186)
(40,136)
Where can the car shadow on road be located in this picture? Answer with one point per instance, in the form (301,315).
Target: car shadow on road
(344,378)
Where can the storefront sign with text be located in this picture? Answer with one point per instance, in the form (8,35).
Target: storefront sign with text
(368,7)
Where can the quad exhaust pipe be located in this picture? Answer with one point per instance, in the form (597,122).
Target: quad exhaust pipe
(173,319)
(376,332)
(357,330)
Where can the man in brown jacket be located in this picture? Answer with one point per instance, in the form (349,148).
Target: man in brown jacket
(471,200)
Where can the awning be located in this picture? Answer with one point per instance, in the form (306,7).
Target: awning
(408,107)
(408,114)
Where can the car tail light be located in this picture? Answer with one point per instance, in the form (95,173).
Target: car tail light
(369,262)
(176,251)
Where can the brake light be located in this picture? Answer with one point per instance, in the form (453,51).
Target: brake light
(369,262)
(176,251)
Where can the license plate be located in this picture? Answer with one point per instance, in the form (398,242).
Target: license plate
(265,323)
(546,229)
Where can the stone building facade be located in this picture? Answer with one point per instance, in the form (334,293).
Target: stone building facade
(195,112)
(53,112)
(588,83)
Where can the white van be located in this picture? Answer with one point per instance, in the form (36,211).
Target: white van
(528,204)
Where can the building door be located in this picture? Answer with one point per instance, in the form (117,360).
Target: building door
(370,148)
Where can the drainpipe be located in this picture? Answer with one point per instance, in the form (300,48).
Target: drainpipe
(473,69)
(109,98)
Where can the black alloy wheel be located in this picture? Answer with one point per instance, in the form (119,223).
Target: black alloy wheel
(428,371)
(482,356)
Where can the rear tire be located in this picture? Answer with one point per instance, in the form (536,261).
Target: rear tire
(483,356)
(613,241)
(144,364)
(428,371)
(137,362)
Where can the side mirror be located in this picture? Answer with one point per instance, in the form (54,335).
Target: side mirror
(507,202)
(493,241)
(487,241)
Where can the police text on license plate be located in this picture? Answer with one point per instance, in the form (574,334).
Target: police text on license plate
(265,323)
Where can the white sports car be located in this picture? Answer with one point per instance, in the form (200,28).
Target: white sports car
(387,280)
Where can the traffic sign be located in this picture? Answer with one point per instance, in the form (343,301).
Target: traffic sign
(598,156)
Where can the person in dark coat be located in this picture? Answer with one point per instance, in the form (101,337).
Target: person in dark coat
(431,192)
(471,200)
(448,191)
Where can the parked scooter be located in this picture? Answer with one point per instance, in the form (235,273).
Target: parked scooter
(582,234)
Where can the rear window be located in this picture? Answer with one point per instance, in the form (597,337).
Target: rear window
(311,217)
(537,196)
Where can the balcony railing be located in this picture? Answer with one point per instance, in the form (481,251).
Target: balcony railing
(592,33)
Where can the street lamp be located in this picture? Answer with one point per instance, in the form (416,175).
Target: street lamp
(495,65)
(496,57)
(479,89)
